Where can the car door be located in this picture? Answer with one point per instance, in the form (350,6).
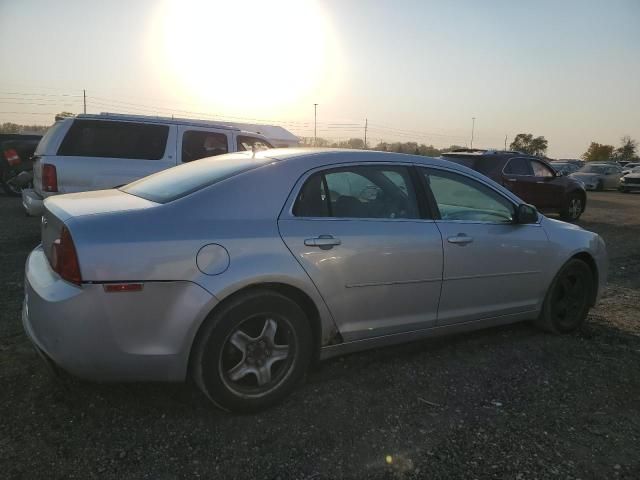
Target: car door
(98,154)
(362,238)
(195,143)
(612,177)
(517,176)
(548,188)
(492,266)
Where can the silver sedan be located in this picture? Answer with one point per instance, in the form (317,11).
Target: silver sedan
(243,269)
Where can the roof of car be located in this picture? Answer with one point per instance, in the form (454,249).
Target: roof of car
(352,155)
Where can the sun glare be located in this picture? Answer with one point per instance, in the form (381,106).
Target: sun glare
(247,53)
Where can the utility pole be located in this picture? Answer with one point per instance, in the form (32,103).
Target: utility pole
(366,124)
(473,127)
(84,100)
(315,124)
(505,142)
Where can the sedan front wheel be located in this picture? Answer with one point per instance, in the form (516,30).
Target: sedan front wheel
(252,352)
(568,299)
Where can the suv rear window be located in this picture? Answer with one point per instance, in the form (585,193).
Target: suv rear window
(180,181)
(98,138)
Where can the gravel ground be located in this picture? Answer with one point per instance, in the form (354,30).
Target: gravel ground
(508,402)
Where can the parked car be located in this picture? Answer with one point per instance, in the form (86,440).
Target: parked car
(93,152)
(531,178)
(599,176)
(240,270)
(629,166)
(575,161)
(630,182)
(16,163)
(565,168)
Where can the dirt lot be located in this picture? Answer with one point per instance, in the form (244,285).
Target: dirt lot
(509,402)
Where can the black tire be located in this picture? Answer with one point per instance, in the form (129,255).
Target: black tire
(600,186)
(573,208)
(5,176)
(568,299)
(215,351)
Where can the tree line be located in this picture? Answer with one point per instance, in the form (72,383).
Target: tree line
(523,142)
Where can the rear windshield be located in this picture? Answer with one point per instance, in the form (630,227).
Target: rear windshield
(177,182)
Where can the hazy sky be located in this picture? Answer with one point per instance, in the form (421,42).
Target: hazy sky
(418,70)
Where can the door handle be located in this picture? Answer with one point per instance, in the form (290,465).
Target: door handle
(325,242)
(460,239)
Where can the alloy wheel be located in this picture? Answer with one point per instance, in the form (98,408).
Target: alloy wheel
(258,355)
(575,208)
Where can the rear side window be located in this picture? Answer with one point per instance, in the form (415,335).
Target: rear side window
(518,166)
(358,192)
(198,144)
(98,138)
(245,143)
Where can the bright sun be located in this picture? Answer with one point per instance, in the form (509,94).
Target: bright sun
(246,53)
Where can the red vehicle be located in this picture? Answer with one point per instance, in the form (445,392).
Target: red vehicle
(531,178)
(16,163)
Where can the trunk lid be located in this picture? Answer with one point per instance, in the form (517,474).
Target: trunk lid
(60,208)
(96,202)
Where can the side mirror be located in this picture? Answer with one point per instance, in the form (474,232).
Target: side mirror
(526,213)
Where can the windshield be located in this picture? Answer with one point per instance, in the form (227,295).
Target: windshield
(593,169)
(177,182)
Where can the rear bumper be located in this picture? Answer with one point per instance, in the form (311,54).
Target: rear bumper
(32,202)
(127,336)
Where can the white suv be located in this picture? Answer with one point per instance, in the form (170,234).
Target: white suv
(95,152)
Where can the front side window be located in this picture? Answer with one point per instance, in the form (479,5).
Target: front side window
(541,170)
(358,192)
(247,143)
(99,138)
(518,166)
(198,144)
(461,198)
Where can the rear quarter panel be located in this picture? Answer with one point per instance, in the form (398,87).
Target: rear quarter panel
(162,243)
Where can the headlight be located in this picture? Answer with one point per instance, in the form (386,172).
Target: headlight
(622,180)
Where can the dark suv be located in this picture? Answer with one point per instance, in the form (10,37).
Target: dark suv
(531,178)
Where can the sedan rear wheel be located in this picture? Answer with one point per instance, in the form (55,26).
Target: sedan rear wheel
(568,300)
(252,352)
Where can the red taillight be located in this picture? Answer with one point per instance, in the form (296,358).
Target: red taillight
(49,178)
(64,259)
(12,157)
